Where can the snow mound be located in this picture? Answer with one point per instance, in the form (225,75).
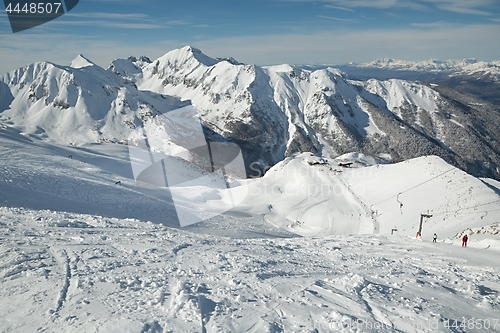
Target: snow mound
(312,196)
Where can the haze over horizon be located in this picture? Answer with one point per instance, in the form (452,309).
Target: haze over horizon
(262,32)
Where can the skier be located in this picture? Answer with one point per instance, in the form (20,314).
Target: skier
(464,240)
(434,238)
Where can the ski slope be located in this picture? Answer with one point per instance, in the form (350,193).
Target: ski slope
(304,194)
(315,196)
(85,249)
(69,272)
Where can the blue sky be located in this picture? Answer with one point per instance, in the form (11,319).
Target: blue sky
(262,31)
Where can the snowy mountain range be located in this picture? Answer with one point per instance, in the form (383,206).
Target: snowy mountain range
(470,76)
(270,112)
(469,66)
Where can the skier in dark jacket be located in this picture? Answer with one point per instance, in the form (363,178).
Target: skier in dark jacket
(464,240)
(434,238)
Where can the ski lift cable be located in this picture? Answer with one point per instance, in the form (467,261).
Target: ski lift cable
(457,212)
(464,208)
(411,188)
(412,220)
(487,211)
(406,223)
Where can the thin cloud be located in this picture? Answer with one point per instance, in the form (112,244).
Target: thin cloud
(130,25)
(340,8)
(336,18)
(476,7)
(108,24)
(439,24)
(116,20)
(176,22)
(360,46)
(379,4)
(111,16)
(326,47)
(20,50)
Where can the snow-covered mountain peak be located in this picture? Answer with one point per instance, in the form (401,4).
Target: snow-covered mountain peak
(141,61)
(280,68)
(180,65)
(81,61)
(130,68)
(77,104)
(88,241)
(125,67)
(482,67)
(230,60)
(187,54)
(396,93)
(335,71)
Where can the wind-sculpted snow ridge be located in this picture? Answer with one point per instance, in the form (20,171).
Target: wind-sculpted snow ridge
(269,112)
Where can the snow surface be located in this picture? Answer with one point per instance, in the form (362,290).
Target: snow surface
(80,252)
(67,272)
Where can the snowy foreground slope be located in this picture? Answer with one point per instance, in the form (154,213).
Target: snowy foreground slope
(80,252)
(67,272)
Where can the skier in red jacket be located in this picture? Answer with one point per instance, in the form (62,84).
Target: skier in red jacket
(464,240)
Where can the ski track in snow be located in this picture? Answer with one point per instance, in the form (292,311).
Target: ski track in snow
(90,276)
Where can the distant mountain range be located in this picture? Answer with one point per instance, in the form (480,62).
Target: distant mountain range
(467,75)
(271,112)
(469,66)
